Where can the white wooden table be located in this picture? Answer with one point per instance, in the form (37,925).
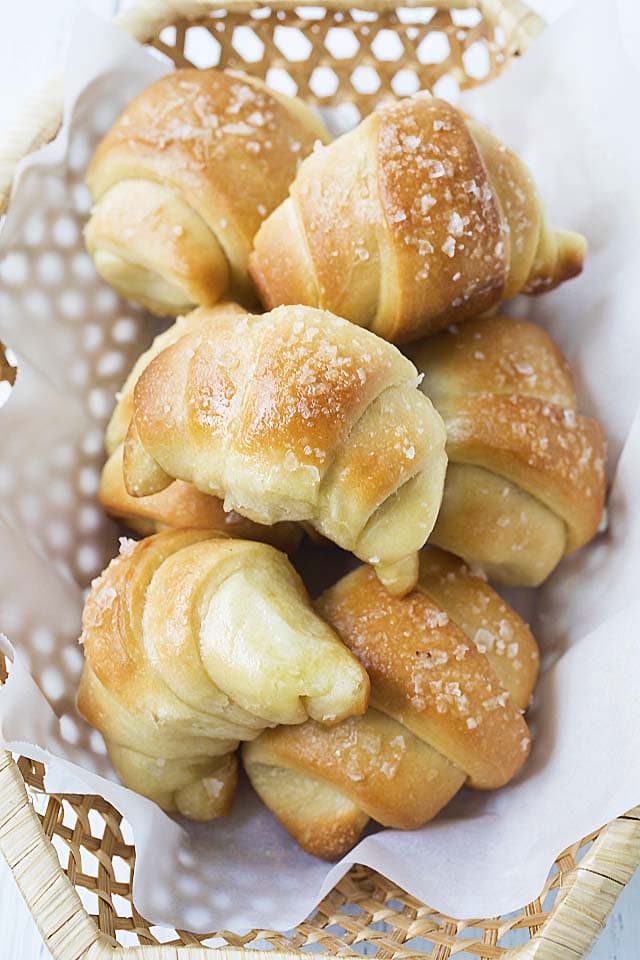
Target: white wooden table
(31,41)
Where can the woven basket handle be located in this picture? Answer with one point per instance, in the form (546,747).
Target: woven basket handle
(41,116)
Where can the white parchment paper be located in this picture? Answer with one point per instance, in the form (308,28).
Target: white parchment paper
(569,107)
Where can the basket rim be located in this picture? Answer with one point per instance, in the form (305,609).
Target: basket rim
(41,115)
(69,932)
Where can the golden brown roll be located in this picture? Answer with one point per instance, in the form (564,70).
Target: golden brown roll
(452,667)
(311,419)
(183,180)
(194,642)
(526,476)
(416,219)
(180,504)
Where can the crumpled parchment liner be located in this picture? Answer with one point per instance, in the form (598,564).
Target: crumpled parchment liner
(74,340)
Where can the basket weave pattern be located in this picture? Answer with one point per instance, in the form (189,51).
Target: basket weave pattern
(81,894)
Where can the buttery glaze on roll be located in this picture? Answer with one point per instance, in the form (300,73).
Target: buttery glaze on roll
(180,504)
(193,643)
(296,415)
(183,180)
(416,219)
(452,668)
(526,478)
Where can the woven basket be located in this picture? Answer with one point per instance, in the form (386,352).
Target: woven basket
(72,856)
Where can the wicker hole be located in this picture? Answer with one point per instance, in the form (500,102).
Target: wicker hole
(201,48)
(323,82)
(127,938)
(13,268)
(477,63)
(213,942)
(100,406)
(447,88)
(124,330)
(97,744)
(109,364)
(73,660)
(59,494)
(58,535)
(89,519)
(88,480)
(387,46)
(341,43)
(89,863)
(105,300)
(71,303)
(292,43)
(50,268)
(405,83)
(88,561)
(364,16)
(30,507)
(66,231)
(37,304)
(122,906)
(168,36)
(79,153)
(62,850)
(248,44)
(82,266)
(280,80)
(365,80)
(34,232)
(121,869)
(92,337)
(53,683)
(415,14)
(96,824)
(466,18)
(310,13)
(434,48)
(42,639)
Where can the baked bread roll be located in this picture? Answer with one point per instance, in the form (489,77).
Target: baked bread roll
(526,477)
(309,419)
(194,642)
(183,180)
(416,219)
(180,504)
(452,667)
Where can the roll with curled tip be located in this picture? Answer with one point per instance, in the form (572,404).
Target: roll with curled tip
(194,642)
(416,219)
(182,181)
(296,415)
(452,668)
(180,504)
(526,478)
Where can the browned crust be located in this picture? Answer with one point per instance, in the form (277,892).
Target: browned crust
(553,454)
(426,672)
(507,398)
(226,143)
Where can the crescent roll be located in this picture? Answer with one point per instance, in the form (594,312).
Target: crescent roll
(452,667)
(183,180)
(180,504)
(296,415)
(193,643)
(416,219)
(526,477)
